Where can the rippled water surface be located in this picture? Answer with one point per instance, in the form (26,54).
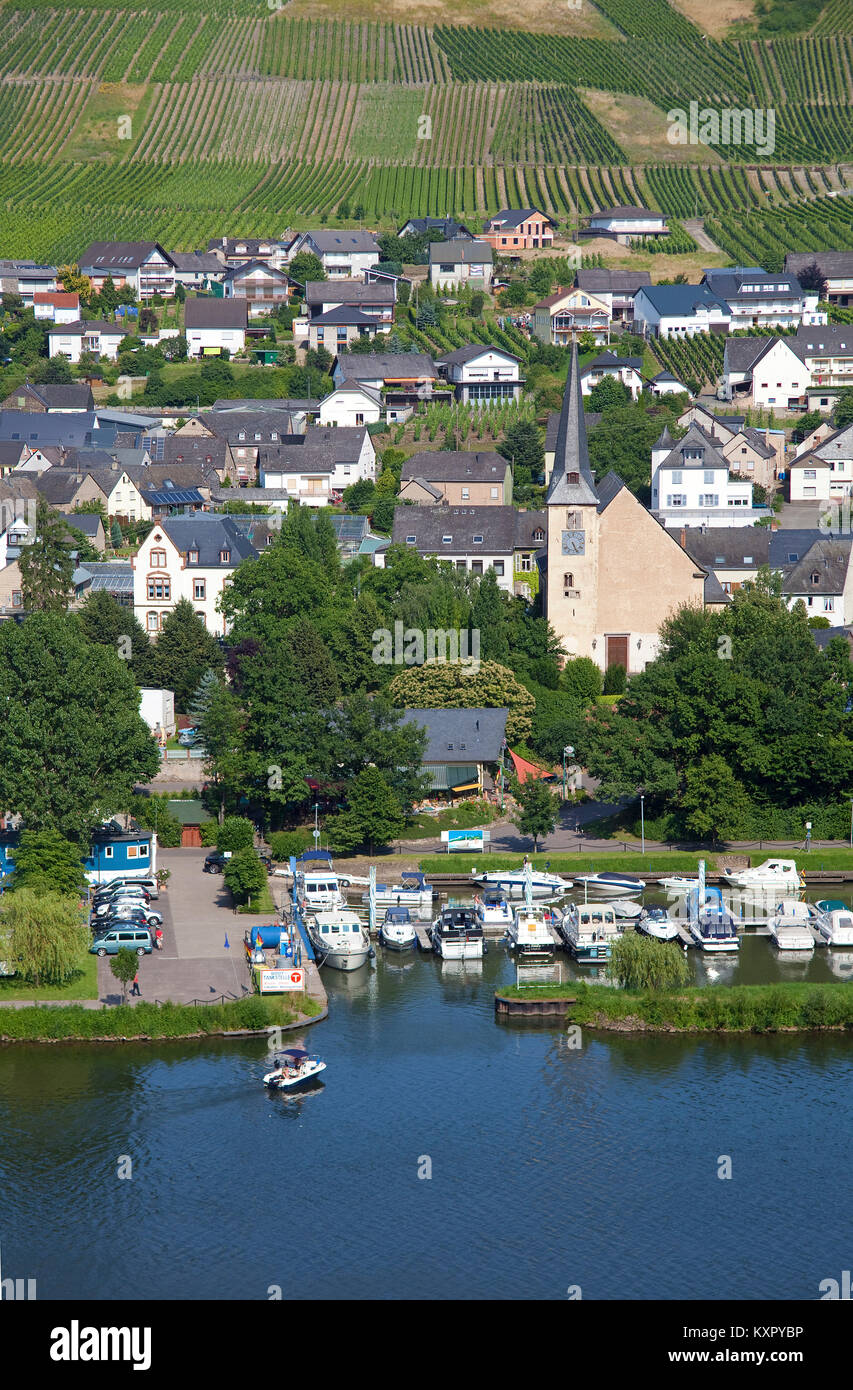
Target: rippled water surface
(551,1166)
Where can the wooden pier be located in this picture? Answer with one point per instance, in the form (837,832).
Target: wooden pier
(422,933)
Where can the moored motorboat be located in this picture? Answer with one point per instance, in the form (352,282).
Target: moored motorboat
(677,883)
(622,884)
(588,930)
(790,926)
(774,874)
(656,922)
(339,938)
(492,909)
(626,909)
(412,891)
(529,934)
(834,921)
(514,882)
(397,932)
(293,1068)
(713,928)
(457,934)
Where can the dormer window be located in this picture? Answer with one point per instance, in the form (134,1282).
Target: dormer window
(192,557)
(539,535)
(410,540)
(815,577)
(241,434)
(573,478)
(478,540)
(224,557)
(446,540)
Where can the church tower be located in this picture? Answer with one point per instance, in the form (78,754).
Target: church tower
(571,595)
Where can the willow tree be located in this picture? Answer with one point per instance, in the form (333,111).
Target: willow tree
(47,935)
(642,962)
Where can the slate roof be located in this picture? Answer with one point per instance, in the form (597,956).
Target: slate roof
(730,285)
(460,253)
(81,326)
(209,534)
(75,395)
(824,635)
(460,356)
(789,546)
(757,442)
(666,376)
(37,428)
(683,300)
(349,314)
(10,452)
(624,211)
(713,591)
(372,392)
(742,354)
(289,403)
(215,313)
(340,242)
(611,484)
(837,447)
(829,560)
(448,225)
(229,425)
(447,466)
(728,547)
(371,366)
(427,487)
(89,523)
(695,438)
(500,528)
(240,272)
(832,339)
(251,245)
(508,218)
(461,735)
(196,262)
(609,359)
(571,452)
(831,264)
(319,450)
(119,255)
(593,418)
(597,280)
(59,486)
(196,450)
(349,292)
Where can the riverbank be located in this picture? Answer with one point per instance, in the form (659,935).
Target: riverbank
(784,1007)
(157,1022)
(819,861)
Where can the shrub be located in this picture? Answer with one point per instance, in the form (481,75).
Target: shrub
(235,833)
(284,843)
(615,680)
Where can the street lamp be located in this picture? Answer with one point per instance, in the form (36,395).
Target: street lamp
(808,836)
(316,826)
(568,752)
(643,821)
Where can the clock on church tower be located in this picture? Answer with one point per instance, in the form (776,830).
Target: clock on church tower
(574,542)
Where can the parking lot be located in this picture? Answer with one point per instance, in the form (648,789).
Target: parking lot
(198,918)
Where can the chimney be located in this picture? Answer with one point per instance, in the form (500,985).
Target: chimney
(683,541)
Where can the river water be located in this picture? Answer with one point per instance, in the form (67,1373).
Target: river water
(552,1166)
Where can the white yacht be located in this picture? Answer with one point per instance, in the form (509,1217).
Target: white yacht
(834,921)
(339,938)
(295,1067)
(790,927)
(774,874)
(622,884)
(588,930)
(678,883)
(529,934)
(493,910)
(514,882)
(413,891)
(457,934)
(317,889)
(656,922)
(713,928)
(397,932)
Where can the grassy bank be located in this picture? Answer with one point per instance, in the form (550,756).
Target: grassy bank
(151,1020)
(719,1008)
(262,901)
(82,985)
(657,861)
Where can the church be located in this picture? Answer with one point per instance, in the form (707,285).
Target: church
(613,572)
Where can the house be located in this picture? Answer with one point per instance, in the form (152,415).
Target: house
(142,266)
(691,483)
(12,453)
(626,370)
(73,396)
(90,524)
(244,433)
(473,539)
(336,329)
(822,579)
(191,814)
(195,460)
(734,553)
(665,384)
(116,854)
(67,488)
(616,288)
(814,437)
(836,267)
(825,472)
(344,255)
(623,223)
(352,404)
(828,354)
(560,318)
(612,573)
(214,326)
(232,252)
(315,467)
(765,371)
(758,454)
(196,270)
(518,229)
(376,298)
(482,374)
(679,311)
(481,479)
(406,379)
(95,336)
(55,430)
(759,299)
(11,598)
(56,306)
(456,263)
(262,286)
(463,747)
(448,227)
(188,557)
(724,428)
(27,279)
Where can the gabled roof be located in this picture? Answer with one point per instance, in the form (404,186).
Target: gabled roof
(119,255)
(826,559)
(196,262)
(373,366)
(448,225)
(728,547)
(320,449)
(59,486)
(460,252)
(513,217)
(38,428)
(209,534)
(748,285)
(341,242)
(461,735)
(215,313)
(349,292)
(460,356)
(357,387)
(455,466)
(186,450)
(831,264)
(744,354)
(240,272)
(75,395)
(501,529)
(756,441)
(789,546)
(598,280)
(348,314)
(828,339)
(695,438)
(571,479)
(60,299)
(229,425)
(837,447)
(609,359)
(81,326)
(685,300)
(627,211)
(611,484)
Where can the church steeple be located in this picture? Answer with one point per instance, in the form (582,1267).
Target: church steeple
(572,482)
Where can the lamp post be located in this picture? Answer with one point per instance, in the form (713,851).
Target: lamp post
(568,752)
(808,836)
(316,826)
(643,821)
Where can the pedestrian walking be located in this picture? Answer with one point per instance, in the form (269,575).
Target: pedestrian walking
(158,938)
(136,989)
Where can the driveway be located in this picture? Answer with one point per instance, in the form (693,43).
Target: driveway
(198,920)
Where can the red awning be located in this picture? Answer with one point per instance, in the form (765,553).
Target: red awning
(526,771)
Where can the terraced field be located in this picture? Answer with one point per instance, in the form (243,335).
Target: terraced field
(184,119)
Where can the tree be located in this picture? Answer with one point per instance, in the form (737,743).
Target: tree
(487,618)
(104,621)
(373,815)
(222,728)
(447,685)
(813,280)
(538,809)
(183,652)
(124,965)
(842,414)
(514,296)
(235,833)
(306,266)
(204,692)
(73,282)
(49,938)
(74,744)
(522,445)
(541,276)
(615,680)
(581,678)
(116,535)
(609,394)
(47,862)
(642,962)
(714,802)
(46,564)
(382,515)
(244,875)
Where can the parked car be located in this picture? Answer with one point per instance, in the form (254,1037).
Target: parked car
(215,861)
(124,890)
(103,905)
(130,937)
(127,909)
(148,885)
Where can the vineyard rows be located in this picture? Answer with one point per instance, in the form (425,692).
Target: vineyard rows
(692,359)
(763,237)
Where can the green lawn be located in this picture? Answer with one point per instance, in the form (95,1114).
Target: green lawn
(655,862)
(84,985)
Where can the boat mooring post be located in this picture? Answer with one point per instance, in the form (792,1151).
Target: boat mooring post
(371,901)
